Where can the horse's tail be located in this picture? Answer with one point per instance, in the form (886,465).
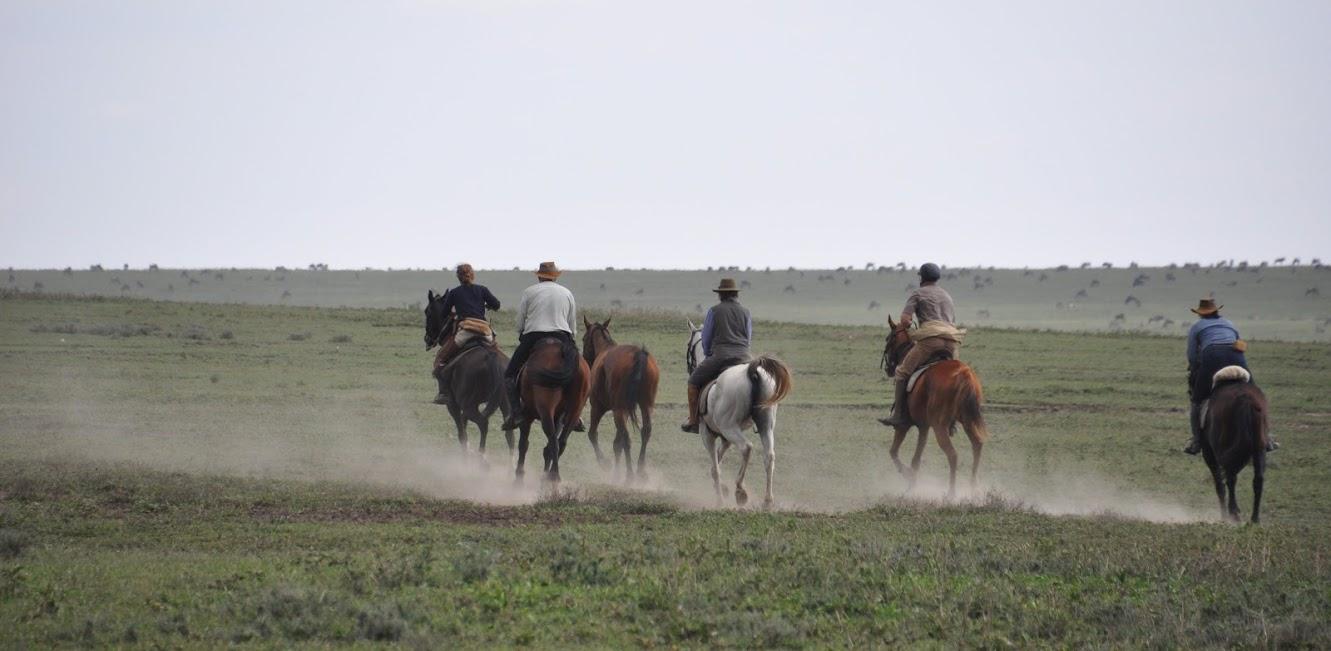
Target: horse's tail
(780,376)
(970,399)
(633,385)
(1249,417)
(560,377)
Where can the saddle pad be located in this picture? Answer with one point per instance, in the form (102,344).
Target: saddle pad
(1230,374)
(910,384)
(476,325)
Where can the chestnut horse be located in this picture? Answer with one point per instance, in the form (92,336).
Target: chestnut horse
(1235,432)
(554,385)
(946,394)
(624,380)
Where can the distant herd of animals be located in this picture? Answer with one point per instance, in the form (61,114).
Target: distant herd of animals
(622,380)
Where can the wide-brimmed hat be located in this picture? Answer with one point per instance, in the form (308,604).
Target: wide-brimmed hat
(727,285)
(548,271)
(1206,307)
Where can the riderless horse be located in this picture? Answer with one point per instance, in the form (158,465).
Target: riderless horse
(474,378)
(624,381)
(744,396)
(1234,432)
(945,393)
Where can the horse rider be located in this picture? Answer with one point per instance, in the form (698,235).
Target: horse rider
(1213,344)
(469,302)
(546,309)
(726,333)
(931,307)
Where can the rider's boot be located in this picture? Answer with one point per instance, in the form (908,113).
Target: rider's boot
(691,425)
(1195,423)
(514,404)
(443,397)
(899,417)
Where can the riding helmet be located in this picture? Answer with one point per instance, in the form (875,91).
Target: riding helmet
(930,271)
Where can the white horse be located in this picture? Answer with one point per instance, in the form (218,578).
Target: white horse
(743,396)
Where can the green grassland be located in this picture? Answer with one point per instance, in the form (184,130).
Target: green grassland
(198,474)
(1271,302)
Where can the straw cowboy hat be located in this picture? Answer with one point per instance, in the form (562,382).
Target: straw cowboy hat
(727,285)
(1206,307)
(548,271)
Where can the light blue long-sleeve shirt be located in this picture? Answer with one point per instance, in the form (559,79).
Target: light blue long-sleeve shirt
(1209,332)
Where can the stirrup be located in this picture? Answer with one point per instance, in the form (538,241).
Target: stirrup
(1193,447)
(691,428)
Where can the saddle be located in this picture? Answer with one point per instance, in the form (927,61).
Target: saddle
(936,358)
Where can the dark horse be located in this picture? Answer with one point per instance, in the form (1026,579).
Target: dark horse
(554,385)
(946,394)
(474,377)
(624,380)
(1233,434)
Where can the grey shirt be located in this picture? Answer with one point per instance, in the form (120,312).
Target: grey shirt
(929,303)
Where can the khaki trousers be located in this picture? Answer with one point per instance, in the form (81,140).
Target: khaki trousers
(922,351)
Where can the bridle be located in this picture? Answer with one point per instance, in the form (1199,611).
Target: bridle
(892,354)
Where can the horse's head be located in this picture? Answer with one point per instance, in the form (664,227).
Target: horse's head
(595,339)
(436,321)
(898,342)
(693,353)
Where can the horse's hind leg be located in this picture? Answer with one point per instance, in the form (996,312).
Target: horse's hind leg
(976,446)
(524,437)
(766,423)
(915,460)
(461,424)
(897,438)
(645,434)
(1258,479)
(483,425)
(1230,479)
(714,458)
(944,436)
(592,435)
(741,495)
(623,446)
(1211,463)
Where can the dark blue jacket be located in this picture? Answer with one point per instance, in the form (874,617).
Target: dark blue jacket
(470,301)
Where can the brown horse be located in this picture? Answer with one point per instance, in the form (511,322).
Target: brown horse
(946,394)
(1235,432)
(554,385)
(624,380)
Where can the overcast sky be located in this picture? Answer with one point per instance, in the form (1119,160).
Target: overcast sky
(671,134)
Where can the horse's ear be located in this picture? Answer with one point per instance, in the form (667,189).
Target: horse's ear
(691,326)
(430,295)
(607,321)
(587,325)
(891,324)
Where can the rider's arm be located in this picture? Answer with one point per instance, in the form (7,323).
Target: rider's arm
(490,301)
(448,303)
(749,324)
(572,315)
(908,313)
(522,314)
(707,326)
(1194,334)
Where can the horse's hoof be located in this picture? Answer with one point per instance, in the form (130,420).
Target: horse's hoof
(767,504)
(741,496)
(725,491)
(605,465)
